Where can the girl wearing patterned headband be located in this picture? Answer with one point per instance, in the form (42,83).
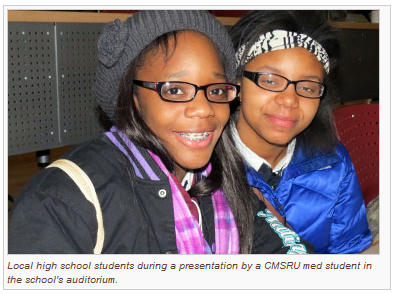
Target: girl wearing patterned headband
(284,129)
(166,180)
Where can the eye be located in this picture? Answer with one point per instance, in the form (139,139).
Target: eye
(268,82)
(174,91)
(217,92)
(309,87)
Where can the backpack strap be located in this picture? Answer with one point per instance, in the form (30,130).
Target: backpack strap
(83,182)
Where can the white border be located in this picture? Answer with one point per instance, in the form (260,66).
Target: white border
(377,278)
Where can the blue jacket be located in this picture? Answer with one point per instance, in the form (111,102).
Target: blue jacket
(321,200)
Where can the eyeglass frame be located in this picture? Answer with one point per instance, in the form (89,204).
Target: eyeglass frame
(157,87)
(254,76)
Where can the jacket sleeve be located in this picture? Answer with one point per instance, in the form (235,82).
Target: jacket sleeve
(350,232)
(43,222)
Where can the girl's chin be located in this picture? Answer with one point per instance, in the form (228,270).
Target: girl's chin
(277,142)
(192,164)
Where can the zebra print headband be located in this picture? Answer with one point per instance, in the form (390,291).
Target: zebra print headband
(279,39)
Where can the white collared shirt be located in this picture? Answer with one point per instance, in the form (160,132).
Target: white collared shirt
(254,160)
(187,181)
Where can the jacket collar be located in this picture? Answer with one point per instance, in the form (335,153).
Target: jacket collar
(152,191)
(302,164)
(144,166)
(299,165)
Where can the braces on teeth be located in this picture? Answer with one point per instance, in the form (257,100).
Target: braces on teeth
(195,136)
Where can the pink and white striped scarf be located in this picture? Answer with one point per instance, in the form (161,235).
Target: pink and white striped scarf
(190,239)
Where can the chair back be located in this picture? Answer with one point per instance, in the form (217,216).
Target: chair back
(357,127)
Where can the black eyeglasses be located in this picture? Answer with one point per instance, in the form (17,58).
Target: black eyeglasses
(185,92)
(276,83)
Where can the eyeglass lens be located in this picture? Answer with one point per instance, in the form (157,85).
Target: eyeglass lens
(273,82)
(185,92)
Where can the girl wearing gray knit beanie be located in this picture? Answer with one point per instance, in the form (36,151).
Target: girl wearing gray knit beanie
(165,178)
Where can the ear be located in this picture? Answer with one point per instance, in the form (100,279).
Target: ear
(238,82)
(136,101)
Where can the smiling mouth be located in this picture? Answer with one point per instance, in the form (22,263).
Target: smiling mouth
(197,137)
(282,121)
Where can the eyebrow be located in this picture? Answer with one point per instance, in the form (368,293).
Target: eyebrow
(218,75)
(274,70)
(179,74)
(313,78)
(264,68)
(183,73)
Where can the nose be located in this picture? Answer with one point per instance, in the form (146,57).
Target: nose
(199,107)
(288,98)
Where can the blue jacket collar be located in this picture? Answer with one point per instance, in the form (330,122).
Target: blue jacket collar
(299,165)
(302,164)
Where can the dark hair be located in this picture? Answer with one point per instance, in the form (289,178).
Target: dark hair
(227,166)
(320,135)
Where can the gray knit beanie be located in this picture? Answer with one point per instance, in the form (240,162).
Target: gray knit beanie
(121,42)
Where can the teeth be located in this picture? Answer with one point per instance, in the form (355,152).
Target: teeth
(195,136)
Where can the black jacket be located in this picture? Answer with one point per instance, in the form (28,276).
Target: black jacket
(52,216)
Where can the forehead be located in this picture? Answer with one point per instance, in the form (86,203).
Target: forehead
(189,52)
(287,60)
(179,41)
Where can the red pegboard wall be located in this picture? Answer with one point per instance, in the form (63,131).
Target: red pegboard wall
(358,129)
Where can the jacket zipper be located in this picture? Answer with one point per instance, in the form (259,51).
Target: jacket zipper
(281,208)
